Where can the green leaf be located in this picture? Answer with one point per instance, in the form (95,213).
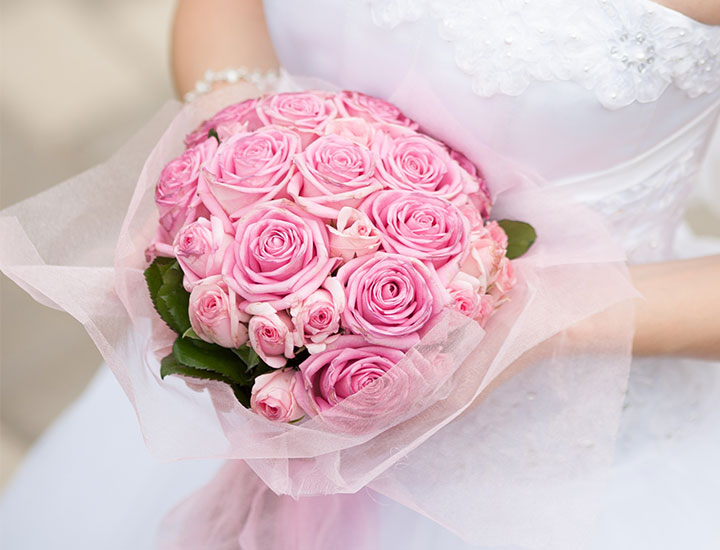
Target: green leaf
(254,365)
(190,333)
(210,357)
(213,133)
(175,299)
(153,277)
(202,344)
(170,365)
(242,394)
(248,356)
(164,279)
(521,237)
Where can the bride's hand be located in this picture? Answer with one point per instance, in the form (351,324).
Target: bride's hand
(218,35)
(680,314)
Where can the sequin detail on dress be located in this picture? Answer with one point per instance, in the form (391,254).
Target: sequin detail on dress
(625,51)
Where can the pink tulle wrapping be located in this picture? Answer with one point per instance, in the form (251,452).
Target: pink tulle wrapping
(237,511)
(501,435)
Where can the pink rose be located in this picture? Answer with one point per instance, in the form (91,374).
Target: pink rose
(215,314)
(477,224)
(497,234)
(354,235)
(271,334)
(240,117)
(317,317)
(304,112)
(486,252)
(351,366)
(418,163)
(464,162)
(372,109)
(252,167)
(200,248)
(333,172)
(481,199)
(428,228)
(465,293)
(354,129)
(176,191)
(273,396)
(487,308)
(390,298)
(504,281)
(280,255)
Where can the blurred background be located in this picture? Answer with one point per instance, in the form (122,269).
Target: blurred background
(77,79)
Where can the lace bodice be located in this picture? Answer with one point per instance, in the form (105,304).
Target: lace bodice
(624,51)
(613,99)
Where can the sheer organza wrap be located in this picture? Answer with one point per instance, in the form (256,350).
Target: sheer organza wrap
(502,435)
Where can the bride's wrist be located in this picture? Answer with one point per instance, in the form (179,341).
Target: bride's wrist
(218,34)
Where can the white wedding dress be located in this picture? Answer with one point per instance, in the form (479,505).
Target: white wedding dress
(614,100)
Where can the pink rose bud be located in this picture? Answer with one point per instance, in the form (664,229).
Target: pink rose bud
(351,366)
(305,112)
(273,396)
(372,109)
(419,163)
(280,255)
(215,314)
(487,308)
(354,129)
(486,253)
(333,172)
(465,293)
(464,162)
(504,281)
(497,234)
(317,317)
(271,334)
(240,117)
(353,236)
(481,199)
(428,228)
(390,298)
(200,249)
(477,224)
(251,168)
(176,191)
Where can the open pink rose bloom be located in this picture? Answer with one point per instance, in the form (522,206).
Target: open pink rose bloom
(344,295)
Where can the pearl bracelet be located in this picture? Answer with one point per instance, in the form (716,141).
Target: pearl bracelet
(262,80)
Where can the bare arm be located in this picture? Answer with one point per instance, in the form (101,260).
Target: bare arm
(705,11)
(218,34)
(681,313)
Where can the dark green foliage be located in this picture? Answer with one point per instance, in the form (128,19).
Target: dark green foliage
(521,237)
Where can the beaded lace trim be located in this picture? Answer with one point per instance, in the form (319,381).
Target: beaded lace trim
(623,50)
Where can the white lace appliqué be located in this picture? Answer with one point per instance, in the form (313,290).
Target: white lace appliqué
(623,50)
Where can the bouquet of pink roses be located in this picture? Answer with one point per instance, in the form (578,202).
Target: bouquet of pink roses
(315,256)
(307,240)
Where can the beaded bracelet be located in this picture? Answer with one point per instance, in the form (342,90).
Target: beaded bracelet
(262,80)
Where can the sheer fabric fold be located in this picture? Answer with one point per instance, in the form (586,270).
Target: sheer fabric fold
(503,435)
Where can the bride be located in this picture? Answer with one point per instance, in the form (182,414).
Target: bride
(613,101)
